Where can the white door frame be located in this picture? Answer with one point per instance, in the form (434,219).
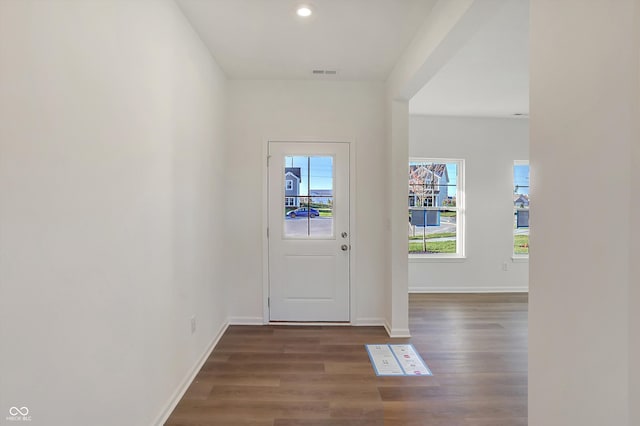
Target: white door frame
(352,225)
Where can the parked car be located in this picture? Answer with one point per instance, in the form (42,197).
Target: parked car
(304,211)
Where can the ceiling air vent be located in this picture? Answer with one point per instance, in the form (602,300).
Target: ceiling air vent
(324,72)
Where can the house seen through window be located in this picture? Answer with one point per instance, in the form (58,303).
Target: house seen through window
(435,207)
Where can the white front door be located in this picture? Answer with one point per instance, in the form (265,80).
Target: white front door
(309,236)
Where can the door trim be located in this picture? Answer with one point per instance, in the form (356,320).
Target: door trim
(352,226)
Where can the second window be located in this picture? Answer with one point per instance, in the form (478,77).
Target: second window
(435,207)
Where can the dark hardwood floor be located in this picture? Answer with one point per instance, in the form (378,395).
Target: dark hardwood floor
(475,345)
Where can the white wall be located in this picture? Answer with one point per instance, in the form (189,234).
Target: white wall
(634,254)
(583,270)
(111,180)
(634,274)
(448,27)
(489,147)
(318,111)
(396,292)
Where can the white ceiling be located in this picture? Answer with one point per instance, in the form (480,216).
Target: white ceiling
(264,39)
(363,39)
(489,76)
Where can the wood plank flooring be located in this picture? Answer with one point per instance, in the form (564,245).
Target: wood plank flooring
(475,345)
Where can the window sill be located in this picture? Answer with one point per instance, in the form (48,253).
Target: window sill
(437,259)
(520,259)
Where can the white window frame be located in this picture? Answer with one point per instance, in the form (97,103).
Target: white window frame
(519,257)
(290,201)
(460,255)
(288,185)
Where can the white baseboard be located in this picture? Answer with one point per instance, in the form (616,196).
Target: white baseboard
(360,322)
(396,333)
(245,321)
(387,327)
(468,289)
(184,385)
(369,322)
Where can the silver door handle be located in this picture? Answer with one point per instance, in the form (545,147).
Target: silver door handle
(344,235)
(344,247)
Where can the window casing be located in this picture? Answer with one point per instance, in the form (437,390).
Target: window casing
(436,208)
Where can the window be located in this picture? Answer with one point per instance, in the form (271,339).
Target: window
(521,204)
(436,210)
(308,211)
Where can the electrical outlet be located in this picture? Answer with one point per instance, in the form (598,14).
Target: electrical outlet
(193,324)
(505,266)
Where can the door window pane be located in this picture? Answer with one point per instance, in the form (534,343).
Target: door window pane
(309,197)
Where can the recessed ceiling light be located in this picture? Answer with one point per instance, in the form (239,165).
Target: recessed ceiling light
(304,11)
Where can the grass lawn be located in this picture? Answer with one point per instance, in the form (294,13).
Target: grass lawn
(433,247)
(436,235)
(521,244)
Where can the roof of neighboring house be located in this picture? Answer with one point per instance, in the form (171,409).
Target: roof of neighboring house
(420,174)
(293,170)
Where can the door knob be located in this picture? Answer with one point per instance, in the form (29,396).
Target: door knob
(344,247)
(344,235)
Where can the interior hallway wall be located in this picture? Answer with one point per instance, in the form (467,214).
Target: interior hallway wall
(634,295)
(583,265)
(112,181)
(304,111)
(489,147)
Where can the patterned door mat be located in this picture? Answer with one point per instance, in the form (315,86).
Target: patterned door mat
(397,360)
